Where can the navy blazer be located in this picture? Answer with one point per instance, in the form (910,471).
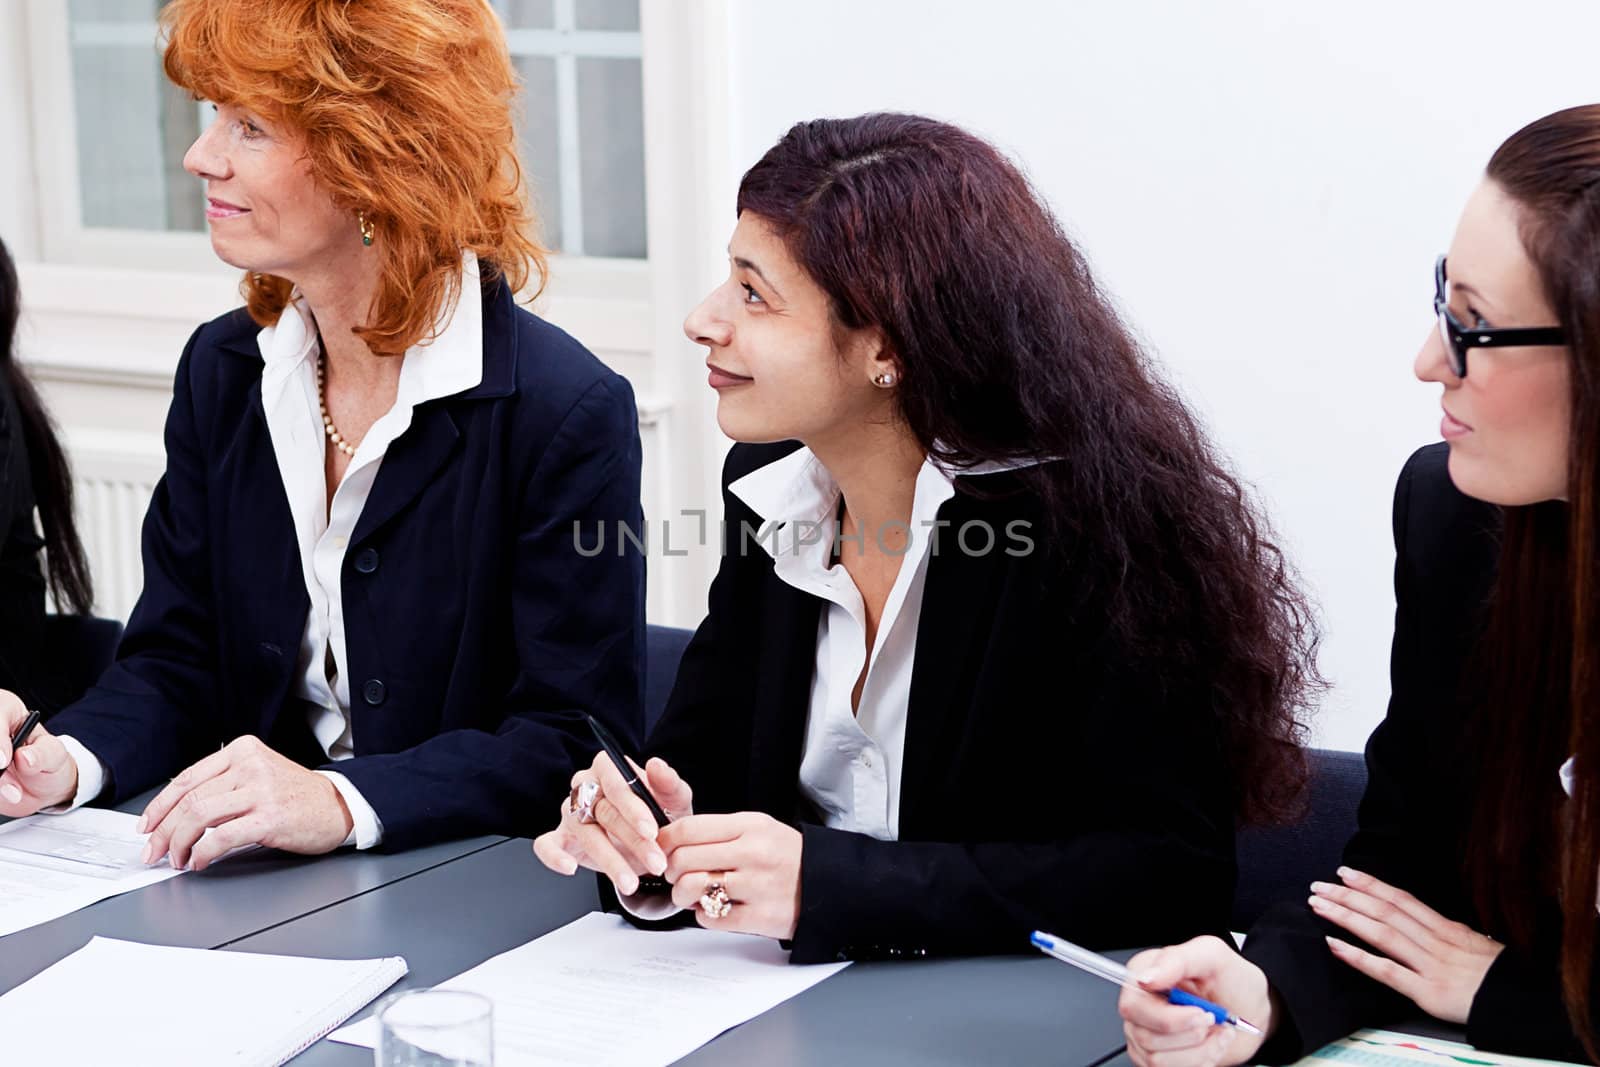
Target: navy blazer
(1048,781)
(477,635)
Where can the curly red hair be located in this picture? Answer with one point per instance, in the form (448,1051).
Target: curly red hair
(405,108)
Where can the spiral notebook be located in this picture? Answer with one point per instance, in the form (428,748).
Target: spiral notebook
(126,1003)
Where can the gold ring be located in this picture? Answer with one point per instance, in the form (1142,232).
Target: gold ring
(715,901)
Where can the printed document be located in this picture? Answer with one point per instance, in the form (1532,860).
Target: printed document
(52,865)
(598,991)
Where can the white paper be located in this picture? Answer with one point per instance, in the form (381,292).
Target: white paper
(119,1002)
(598,991)
(52,865)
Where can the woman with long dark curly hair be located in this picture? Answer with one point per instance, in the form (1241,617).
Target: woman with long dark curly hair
(997,642)
(34,473)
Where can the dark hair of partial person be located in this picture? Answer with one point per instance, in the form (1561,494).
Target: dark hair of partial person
(1541,643)
(1008,349)
(67,569)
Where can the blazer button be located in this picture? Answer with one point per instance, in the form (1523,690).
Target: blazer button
(366,561)
(373,692)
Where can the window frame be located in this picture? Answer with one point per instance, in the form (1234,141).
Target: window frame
(63,239)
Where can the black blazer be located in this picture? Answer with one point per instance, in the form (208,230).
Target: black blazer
(1413,821)
(1043,785)
(21,580)
(477,633)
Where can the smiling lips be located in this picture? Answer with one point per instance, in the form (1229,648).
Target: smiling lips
(721,379)
(221,209)
(1453,427)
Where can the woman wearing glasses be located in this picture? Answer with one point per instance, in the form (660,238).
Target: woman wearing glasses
(1469,890)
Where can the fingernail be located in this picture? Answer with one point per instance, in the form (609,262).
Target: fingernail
(658,863)
(147,855)
(11,793)
(1317,903)
(1335,944)
(1143,979)
(1320,887)
(1347,873)
(173,861)
(140,828)
(28,757)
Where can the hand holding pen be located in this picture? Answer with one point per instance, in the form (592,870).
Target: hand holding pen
(607,826)
(36,770)
(1167,1034)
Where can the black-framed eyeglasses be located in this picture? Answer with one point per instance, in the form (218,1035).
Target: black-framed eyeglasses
(1458,337)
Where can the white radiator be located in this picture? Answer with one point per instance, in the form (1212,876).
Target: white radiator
(113,477)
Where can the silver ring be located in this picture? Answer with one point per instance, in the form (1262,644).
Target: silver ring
(583,798)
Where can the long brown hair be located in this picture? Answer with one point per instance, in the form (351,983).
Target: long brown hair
(1009,348)
(66,566)
(1542,640)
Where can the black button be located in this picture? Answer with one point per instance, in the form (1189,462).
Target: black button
(373,692)
(367,561)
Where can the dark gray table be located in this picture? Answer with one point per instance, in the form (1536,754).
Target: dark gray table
(1013,1010)
(246,894)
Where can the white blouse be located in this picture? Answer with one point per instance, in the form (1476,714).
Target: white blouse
(851,762)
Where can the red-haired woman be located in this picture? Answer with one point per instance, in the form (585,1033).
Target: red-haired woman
(997,642)
(365,618)
(1468,892)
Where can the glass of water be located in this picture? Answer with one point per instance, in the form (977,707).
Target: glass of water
(435,1028)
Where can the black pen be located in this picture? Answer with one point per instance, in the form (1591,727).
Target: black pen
(22,733)
(609,745)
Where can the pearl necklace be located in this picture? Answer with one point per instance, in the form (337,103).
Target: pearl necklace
(327,420)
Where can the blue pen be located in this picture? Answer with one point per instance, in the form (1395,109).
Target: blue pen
(1115,973)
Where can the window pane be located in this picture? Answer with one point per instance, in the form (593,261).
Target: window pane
(527,14)
(608,15)
(133,126)
(541,143)
(611,155)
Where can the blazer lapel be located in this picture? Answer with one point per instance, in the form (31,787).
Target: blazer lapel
(951,631)
(408,466)
(787,658)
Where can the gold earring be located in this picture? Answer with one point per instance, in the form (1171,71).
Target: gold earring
(885,379)
(366,228)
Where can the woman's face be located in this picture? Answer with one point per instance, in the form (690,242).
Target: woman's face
(266,212)
(1508,421)
(781,368)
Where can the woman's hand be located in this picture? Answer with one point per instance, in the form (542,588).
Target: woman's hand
(1170,1035)
(245,794)
(1438,963)
(40,774)
(756,859)
(621,841)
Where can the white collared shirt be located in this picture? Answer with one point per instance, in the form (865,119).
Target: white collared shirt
(450,364)
(851,762)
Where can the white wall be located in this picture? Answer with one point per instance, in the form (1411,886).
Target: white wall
(1264,185)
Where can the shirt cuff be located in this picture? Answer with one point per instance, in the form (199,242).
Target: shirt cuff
(365,828)
(92,776)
